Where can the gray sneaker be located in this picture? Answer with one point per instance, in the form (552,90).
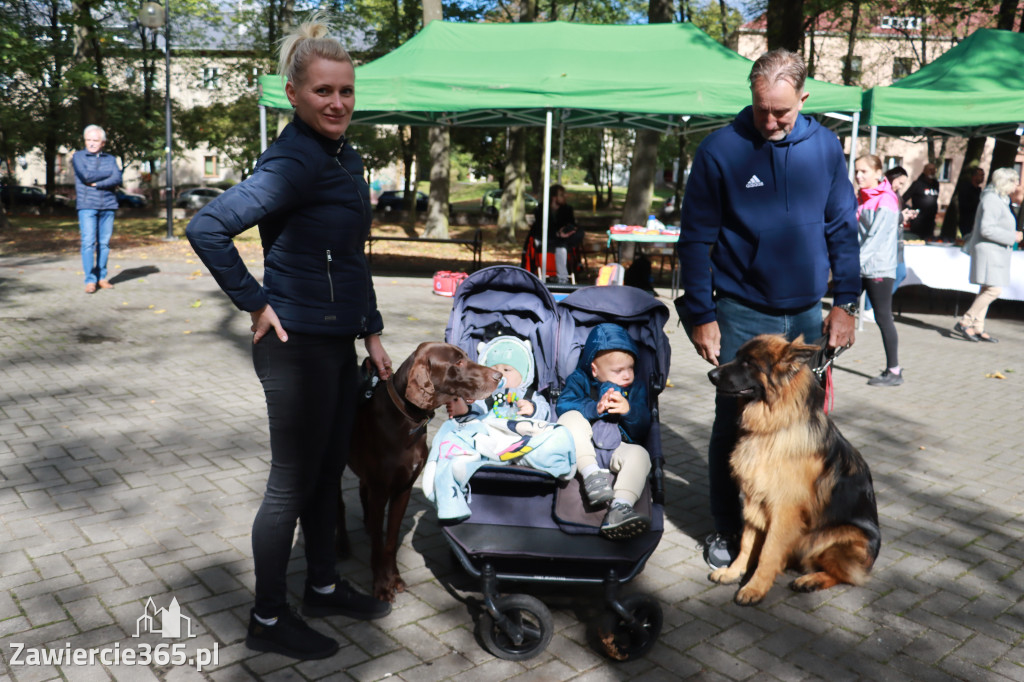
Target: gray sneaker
(623,522)
(598,487)
(886,378)
(720,550)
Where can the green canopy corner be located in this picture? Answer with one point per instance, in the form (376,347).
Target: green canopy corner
(976,88)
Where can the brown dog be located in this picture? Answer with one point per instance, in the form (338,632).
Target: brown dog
(809,502)
(389,446)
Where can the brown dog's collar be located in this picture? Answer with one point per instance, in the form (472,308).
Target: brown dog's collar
(399,403)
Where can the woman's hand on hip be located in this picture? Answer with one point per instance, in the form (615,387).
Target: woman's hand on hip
(378,356)
(263,320)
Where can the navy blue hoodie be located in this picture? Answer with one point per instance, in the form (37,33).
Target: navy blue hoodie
(582,390)
(765,222)
(312,204)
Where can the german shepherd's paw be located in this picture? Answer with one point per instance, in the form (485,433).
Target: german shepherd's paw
(749,596)
(812,582)
(726,576)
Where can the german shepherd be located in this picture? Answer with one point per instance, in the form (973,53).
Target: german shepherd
(808,499)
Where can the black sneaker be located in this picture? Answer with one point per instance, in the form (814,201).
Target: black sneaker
(344,601)
(623,522)
(598,487)
(289,636)
(886,378)
(720,550)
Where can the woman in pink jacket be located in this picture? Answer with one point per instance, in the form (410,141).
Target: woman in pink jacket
(878,222)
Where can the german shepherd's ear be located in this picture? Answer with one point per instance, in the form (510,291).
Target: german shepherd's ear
(800,352)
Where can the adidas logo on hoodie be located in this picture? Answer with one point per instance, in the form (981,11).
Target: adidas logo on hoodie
(754,181)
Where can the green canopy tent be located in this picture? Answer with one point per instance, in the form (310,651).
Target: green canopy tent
(664,77)
(974,89)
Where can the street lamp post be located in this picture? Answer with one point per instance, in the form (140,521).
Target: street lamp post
(154,15)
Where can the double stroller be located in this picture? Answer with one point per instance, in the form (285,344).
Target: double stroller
(529,527)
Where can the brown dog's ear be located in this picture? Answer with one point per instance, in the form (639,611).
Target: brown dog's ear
(419,389)
(800,352)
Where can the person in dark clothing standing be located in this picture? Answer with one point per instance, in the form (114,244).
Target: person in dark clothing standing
(970,195)
(97,175)
(768,214)
(562,231)
(312,204)
(924,196)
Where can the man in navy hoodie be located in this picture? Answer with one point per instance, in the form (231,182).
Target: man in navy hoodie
(768,214)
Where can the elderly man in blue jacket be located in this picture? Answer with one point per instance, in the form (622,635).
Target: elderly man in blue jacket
(768,214)
(97,175)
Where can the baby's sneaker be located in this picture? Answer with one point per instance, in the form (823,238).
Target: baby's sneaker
(598,487)
(623,522)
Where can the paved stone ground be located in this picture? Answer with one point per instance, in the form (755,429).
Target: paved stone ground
(133,454)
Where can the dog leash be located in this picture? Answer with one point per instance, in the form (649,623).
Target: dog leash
(823,373)
(397,400)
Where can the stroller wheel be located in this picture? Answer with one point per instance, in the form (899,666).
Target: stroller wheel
(621,640)
(523,629)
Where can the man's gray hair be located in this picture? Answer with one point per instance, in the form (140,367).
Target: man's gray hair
(102,132)
(779,65)
(1004,181)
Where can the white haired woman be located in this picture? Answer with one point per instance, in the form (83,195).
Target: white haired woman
(994,234)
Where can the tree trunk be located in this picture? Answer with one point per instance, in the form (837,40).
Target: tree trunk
(437,207)
(851,43)
(440,154)
(785,24)
(642,171)
(512,214)
(644,165)
(972,155)
(1004,155)
(1007,15)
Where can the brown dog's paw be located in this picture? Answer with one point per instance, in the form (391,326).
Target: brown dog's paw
(386,587)
(725,576)
(748,596)
(812,582)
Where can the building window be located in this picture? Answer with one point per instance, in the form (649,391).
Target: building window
(210,166)
(129,75)
(211,78)
(901,23)
(253,76)
(902,67)
(855,68)
(893,161)
(945,170)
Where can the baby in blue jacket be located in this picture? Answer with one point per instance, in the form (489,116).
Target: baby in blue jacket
(607,414)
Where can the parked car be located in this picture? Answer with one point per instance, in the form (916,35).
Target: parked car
(394,200)
(22,195)
(491,202)
(197,197)
(131,200)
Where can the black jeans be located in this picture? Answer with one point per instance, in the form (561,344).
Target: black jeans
(310,385)
(879,291)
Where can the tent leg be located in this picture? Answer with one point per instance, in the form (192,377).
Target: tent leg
(547,198)
(853,144)
(263,129)
(561,146)
(874,139)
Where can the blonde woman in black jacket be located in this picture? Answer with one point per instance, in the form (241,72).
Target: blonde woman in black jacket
(312,204)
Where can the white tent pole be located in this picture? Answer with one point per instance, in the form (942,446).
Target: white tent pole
(263,129)
(561,144)
(874,139)
(547,198)
(853,144)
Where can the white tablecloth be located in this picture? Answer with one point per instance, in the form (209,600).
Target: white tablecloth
(942,266)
